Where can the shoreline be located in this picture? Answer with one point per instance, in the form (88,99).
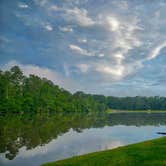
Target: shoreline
(136,111)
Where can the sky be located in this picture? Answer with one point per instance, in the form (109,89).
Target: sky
(115,47)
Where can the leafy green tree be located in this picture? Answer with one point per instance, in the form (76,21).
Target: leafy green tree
(32,94)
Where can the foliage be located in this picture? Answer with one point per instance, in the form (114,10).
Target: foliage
(21,94)
(32,94)
(147,153)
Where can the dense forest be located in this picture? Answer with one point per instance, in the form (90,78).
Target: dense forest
(21,94)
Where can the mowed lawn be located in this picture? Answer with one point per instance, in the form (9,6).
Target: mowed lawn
(148,153)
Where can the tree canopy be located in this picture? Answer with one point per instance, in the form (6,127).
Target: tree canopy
(19,94)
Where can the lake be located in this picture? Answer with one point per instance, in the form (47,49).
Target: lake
(32,140)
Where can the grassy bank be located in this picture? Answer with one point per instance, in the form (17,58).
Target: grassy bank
(109,111)
(148,153)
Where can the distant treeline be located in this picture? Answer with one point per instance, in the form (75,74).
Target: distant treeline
(19,94)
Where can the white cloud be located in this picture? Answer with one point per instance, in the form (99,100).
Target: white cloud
(119,58)
(74,15)
(83,67)
(44,72)
(34,69)
(55,8)
(121,4)
(113,23)
(82,40)
(120,40)
(124,37)
(124,32)
(41,2)
(156,51)
(48,27)
(79,50)
(79,16)
(23,5)
(101,55)
(66,29)
(115,71)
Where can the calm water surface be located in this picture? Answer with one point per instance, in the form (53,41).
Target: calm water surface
(33,140)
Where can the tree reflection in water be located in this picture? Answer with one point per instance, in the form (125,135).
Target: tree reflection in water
(31,131)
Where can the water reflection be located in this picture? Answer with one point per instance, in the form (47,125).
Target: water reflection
(45,138)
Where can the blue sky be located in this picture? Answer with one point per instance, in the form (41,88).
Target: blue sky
(115,47)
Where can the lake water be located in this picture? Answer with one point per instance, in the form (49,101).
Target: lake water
(34,140)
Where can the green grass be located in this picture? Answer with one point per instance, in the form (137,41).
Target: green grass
(109,111)
(148,153)
(135,111)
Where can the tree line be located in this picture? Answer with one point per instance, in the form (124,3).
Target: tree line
(20,94)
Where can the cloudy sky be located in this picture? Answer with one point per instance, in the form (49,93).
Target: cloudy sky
(115,47)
